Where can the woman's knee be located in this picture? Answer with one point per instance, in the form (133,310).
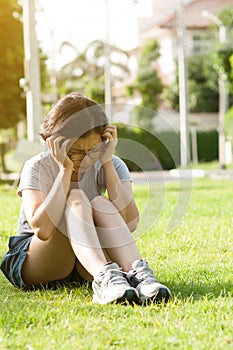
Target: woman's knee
(77,199)
(103,205)
(99,202)
(99,199)
(77,195)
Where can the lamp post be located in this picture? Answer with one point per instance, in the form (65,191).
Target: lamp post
(222,92)
(107,66)
(32,73)
(183,89)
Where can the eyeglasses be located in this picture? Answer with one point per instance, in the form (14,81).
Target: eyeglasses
(94,153)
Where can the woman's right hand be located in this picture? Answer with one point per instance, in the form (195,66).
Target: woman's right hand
(58,146)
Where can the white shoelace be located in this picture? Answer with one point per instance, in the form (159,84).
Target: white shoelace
(145,275)
(115,276)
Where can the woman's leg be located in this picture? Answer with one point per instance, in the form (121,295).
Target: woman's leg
(120,246)
(55,258)
(82,232)
(48,260)
(110,283)
(114,234)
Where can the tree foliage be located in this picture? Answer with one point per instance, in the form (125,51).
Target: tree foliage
(86,71)
(204,71)
(12,105)
(148,83)
(202,86)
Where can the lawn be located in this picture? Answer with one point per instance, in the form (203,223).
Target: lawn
(195,260)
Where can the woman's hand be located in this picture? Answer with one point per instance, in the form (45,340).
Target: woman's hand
(110,140)
(58,146)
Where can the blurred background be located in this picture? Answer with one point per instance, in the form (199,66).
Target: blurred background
(163,69)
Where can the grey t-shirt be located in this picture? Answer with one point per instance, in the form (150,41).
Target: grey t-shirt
(40,172)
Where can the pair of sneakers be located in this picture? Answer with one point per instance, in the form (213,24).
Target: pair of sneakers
(137,286)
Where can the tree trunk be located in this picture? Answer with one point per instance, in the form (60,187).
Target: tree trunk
(2,157)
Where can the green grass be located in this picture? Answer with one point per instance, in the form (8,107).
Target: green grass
(195,261)
(214,165)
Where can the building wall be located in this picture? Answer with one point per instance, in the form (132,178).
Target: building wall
(165,121)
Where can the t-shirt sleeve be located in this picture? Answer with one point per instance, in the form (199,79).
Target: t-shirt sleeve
(34,176)
(121,169)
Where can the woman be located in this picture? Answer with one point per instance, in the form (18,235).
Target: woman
(68,231)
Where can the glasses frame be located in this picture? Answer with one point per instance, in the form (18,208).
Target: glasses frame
(94,153)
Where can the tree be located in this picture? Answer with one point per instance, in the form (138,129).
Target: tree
(204,71)
(202,86)
(86,71)
(147,83)
(12,97)
(12,105)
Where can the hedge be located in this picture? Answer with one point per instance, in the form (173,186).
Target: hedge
(142,150)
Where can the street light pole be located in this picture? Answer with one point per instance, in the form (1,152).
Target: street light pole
(183,88)
(32,72)
(222,92)
(222,105)
(107,66)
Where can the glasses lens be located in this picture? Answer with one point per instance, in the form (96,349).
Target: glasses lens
(96,152)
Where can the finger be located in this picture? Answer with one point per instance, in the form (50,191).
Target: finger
(57,143)
(51,140)
(53,137)
(107,134)
(49,144)
(66,145)
(111,130)
(69,142)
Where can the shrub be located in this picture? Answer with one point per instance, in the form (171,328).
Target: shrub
(160,150)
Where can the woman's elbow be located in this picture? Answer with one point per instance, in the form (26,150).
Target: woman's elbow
(132,225)
(42,234)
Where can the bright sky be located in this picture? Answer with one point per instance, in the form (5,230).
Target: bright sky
(82,21)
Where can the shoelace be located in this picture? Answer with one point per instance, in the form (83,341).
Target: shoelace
(144,275)
(115,276)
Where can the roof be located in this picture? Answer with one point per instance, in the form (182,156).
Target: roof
(193,13)
(161,11)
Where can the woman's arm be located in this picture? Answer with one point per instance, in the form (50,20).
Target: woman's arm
(120,194)
(43,212)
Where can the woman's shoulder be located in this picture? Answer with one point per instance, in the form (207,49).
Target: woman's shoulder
(39,158)
(38,173)
(118,162)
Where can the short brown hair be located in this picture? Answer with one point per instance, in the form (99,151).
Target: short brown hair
(67,112)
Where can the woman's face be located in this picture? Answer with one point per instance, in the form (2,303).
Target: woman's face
(85,151)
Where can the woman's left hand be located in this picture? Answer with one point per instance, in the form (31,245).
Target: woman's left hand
(110,140)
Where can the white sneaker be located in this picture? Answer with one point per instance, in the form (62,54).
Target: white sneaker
(110,285)
(142,278)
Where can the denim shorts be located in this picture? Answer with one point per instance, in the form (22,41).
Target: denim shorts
(12,262)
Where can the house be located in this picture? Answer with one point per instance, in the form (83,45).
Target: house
(163,27)
(197,36)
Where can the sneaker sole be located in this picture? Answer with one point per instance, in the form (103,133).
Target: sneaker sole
(163,295)
(129,297)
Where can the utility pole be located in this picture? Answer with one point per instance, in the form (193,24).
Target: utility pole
(183,88)
(107,72)
(31,71)
(222,104)
(222,92)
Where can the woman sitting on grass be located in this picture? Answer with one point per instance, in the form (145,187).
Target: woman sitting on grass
(69,232)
